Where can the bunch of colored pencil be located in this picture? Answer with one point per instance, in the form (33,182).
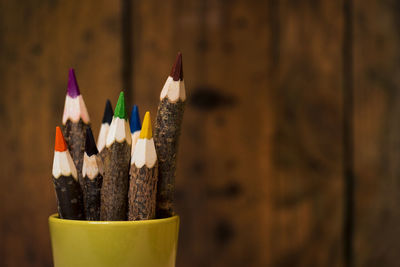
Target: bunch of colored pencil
(128,174)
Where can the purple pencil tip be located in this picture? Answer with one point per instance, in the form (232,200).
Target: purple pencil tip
(73,88)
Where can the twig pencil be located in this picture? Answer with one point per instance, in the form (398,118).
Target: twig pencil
(92,177)
(143,176)
(114,191)
(75,121)
(105,125)
(134,124)
(65,179)
(166,135)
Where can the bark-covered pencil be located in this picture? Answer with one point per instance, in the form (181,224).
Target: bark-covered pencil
(166,136)
(75,121)
(135,125)
(105,126)
(114,191)
(92,177)
(65,179)
(143,176)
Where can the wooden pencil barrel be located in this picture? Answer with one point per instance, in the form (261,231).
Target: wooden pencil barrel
(114,243)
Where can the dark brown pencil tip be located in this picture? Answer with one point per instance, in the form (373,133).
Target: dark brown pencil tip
(108,113)
(90,144)
(177,69)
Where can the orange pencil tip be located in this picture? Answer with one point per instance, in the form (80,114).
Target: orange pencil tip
(60,144)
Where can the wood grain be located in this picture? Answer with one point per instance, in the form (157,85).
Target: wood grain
(376,132)
(260,163)
(260,167)
(39,41)
(306,187)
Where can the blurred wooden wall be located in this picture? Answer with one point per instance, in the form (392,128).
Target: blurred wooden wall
(290,152)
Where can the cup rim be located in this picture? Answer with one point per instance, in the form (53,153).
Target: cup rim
(55,219)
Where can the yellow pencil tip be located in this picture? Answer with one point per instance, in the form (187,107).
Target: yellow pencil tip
(146,131)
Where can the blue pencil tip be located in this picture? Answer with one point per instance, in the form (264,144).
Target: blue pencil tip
(134,121)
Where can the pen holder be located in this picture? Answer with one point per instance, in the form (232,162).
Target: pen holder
(114,243)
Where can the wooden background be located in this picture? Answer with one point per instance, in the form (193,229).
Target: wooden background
(290,153)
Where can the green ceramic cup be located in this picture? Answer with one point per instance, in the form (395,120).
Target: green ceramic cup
(114,244)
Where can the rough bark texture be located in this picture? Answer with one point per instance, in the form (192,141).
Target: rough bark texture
(91,196)
(114,191)
(142,192)
(69,198)
(166,137)
(102,156)
(75,136)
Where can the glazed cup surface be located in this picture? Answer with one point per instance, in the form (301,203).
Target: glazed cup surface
(105,244)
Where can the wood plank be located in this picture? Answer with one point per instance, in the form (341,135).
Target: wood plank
(376,132)
(39,41)
(212,233)
(259,178)
(307,150)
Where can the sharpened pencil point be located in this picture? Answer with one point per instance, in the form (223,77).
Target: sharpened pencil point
(120,108)
(90,144)
(73,88)
(146,131)
(177,70)
(60,144)
(134,121)
(108,112)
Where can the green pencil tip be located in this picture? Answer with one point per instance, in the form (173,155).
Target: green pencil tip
(119,111)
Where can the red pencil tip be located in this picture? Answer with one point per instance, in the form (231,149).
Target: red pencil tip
(177,70)
(60,144)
